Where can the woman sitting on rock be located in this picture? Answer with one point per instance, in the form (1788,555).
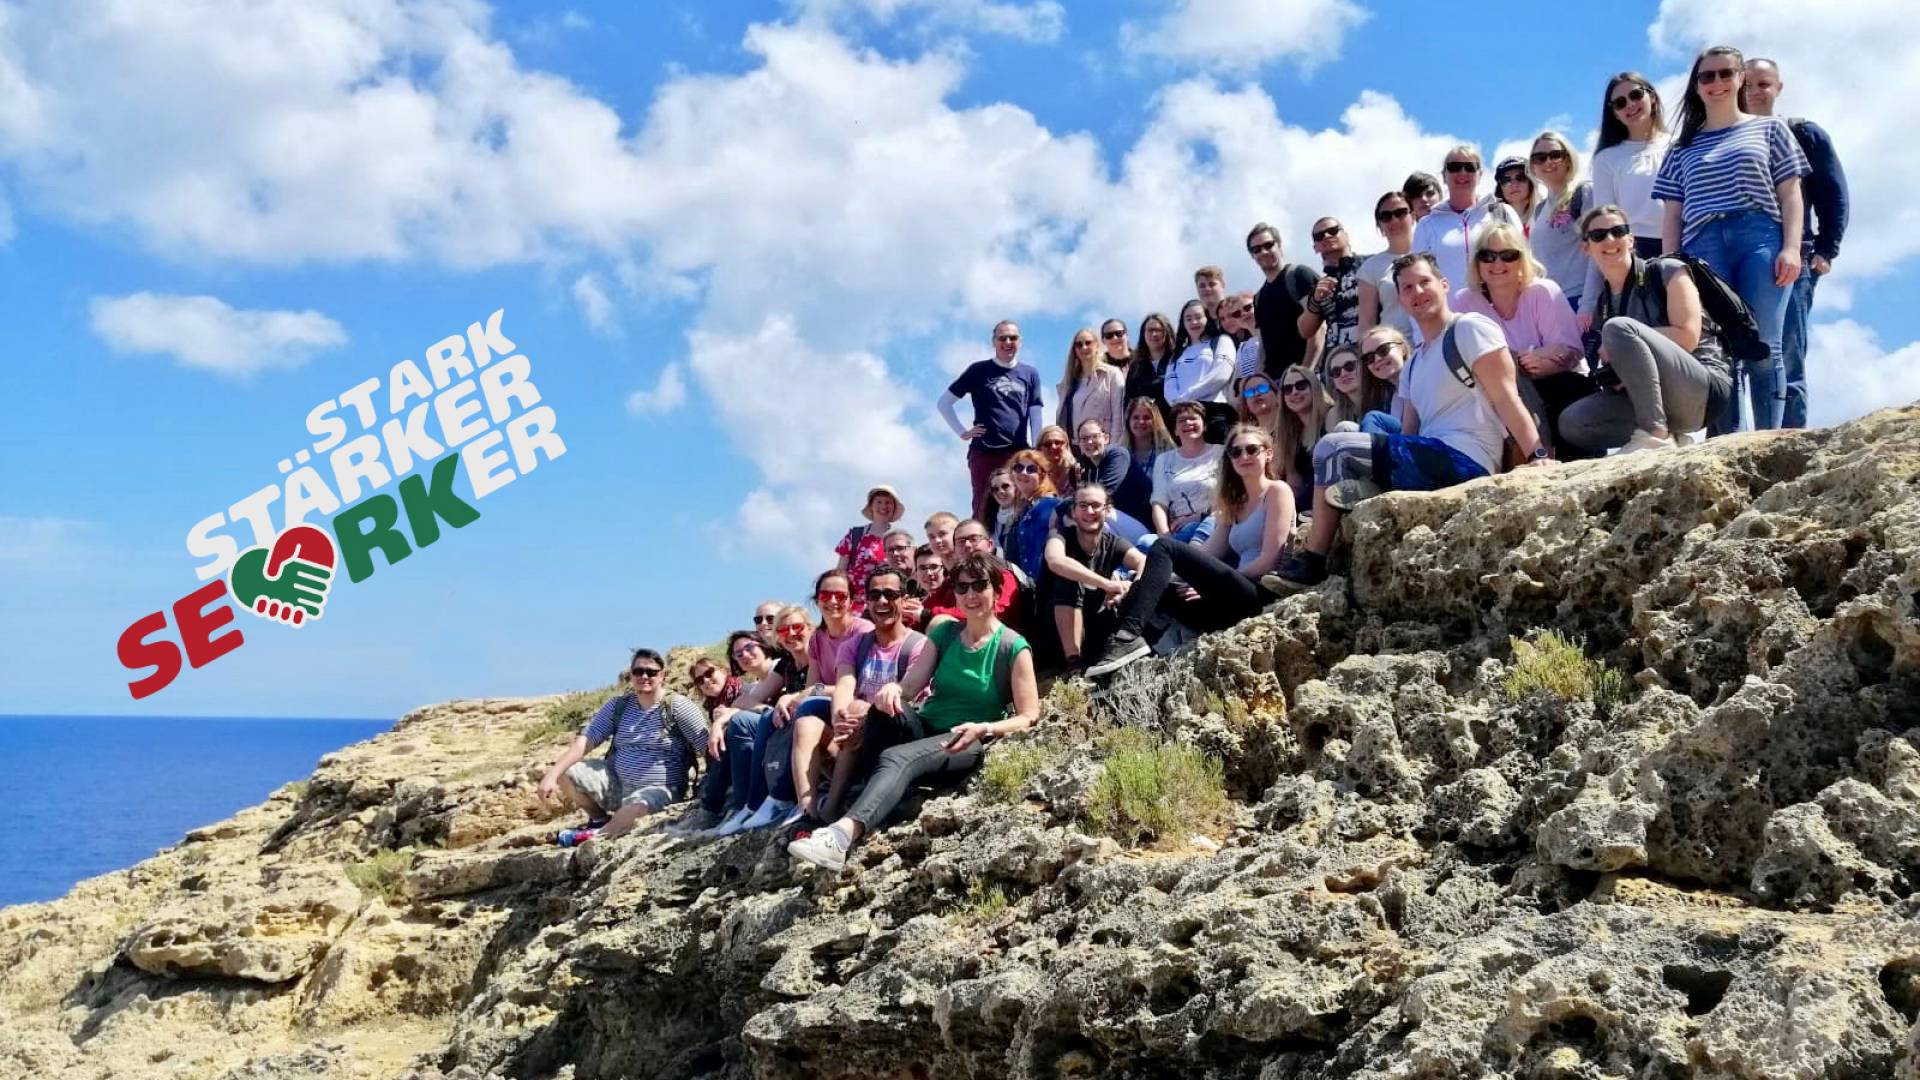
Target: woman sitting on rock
(1304,417)
(717,687)
(982,687)
(1508,285)
(1034,501)
(833,592)
(652,735)
(1341,370)
(757,736)
(1385,351)
(1661,373)
(1183,478)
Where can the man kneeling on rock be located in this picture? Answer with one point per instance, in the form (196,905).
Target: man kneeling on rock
(654,734)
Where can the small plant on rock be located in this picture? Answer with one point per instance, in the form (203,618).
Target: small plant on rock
(1008,768)
(1548,662)
(1155,792)
(382,873)
(568,714)
(984,903)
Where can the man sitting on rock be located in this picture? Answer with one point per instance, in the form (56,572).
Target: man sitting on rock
(654,737)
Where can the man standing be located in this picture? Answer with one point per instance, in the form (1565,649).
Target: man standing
(1210,285)
(1825,189)
(1277,306)
(1335,302)
(1006,410)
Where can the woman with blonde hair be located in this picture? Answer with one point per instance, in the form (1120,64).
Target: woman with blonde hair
(1056,453)
(1221,574)
(1383,355)
(1303,420)
(1555,227)
(1508,285)
(1090,387)
(1341,372)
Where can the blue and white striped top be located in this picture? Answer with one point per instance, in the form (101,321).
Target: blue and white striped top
(645,752)
(1729,171)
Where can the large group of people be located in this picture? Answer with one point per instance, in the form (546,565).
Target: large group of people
(1182,482)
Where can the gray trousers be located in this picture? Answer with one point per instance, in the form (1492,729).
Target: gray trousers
(1661,386)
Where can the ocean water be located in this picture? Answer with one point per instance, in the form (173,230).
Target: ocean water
(89,794)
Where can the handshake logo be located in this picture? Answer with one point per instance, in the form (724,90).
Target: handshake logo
(287,582)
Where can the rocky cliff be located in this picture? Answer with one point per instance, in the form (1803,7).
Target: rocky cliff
(1703,864)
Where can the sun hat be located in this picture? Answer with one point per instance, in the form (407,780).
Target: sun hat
(876,491)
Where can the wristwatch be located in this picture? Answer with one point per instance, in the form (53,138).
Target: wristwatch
(1539,454)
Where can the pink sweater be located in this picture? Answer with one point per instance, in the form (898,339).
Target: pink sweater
(1543,318)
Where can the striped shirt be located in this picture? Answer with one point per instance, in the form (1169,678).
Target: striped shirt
(645,752)
(1730,171)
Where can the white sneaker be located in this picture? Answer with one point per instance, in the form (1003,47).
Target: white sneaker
(1685,438)
(825,848)
(768,813)
(1646,440)
(734,823)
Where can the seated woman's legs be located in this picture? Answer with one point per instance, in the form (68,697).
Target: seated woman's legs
(1667,386)
(810,727)
(1376,422)
(1225,595)
(922,756)
(747,784)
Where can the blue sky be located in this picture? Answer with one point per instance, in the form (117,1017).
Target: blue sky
(744,247)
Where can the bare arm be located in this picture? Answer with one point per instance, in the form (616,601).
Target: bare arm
(1793,216)
(1273,539)
(1026,697)
(1670,227)
(1683,309)
(1068,568)
(1496,374)
(920,673)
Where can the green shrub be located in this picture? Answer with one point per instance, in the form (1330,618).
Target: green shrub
(381,874)
(567,714)
(1151,791)
(1550,663)
(984,903)
(1008,768)
(1069,699)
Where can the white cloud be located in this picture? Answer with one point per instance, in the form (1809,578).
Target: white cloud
(669,393)
(1849,375)
(1239,37)
(203,332)
(1040,21)
(36,540)
(595,306)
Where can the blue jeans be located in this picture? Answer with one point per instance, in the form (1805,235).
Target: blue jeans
(1793,346)
(740,781)
(1376,422)
(1193,532)
(1742,248)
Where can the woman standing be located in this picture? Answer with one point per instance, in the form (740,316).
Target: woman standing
(1379,300)
(1732,188)
(1513,185)
(1146,438)
(1304,409)
(1114,351)
(1506,284)
(1006,497)
(1091,388)
(1632,145)
(1450,228)
(1183,478)
(1152,355)
(1203,370)
(1555,232)
(980,674)
(863,550)
(1222,576)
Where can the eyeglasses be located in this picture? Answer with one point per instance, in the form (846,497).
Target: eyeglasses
(1384,216)
(1262,248)
(972,585)
(1709,76)
(1024,467)
(1006,337)
(832,596)
(1295,387)
(1256,390)
(1638,93)
(1114,335)
(885,594)
(1486,255)
(971,539)
(645,672)
(1611,232)
(1541,157)
(758,619)
(1384,352)
(1463,166)
(1338,370)
(793,630)
(1089,505)
(1326,234)
(1245,450)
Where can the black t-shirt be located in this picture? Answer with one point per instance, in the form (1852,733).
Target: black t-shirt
(1107,552)
(1341,314)
(1277,314)
(793,677)
(1001,397)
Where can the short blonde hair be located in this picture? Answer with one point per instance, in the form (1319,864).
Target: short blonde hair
(1508,237)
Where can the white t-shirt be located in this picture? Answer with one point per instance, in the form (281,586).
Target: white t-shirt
(1184,485)
(1623,176)
(1450,234)
(1202,372)
(1377,271)
(1448,410)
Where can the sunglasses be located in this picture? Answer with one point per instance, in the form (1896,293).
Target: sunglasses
(1541,157)
(1024,467)
(831,596)
(1245,450)
(1296,387)
(1638,93)
(1114,335)
(1257,390)
(1338,370)
(1326,234)
(758,619)
(1507,256)
(1511,178)
(1707,77)
(1384,216)
(745,648)
(885,594)
(1462,167)
(645,673)
(1384,352)
(1003,487)
(972,585)
(1243,313)
(1007,337)
(793,630)
(1262,248)
(1611,232)
(702,676)
(1054,444)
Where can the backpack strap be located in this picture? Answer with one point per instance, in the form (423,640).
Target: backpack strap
(1450,349)
(1006,639)
(862,648)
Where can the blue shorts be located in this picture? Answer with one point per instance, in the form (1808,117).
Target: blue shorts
(1418,463)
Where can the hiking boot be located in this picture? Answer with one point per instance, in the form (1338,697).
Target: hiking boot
(1348,494)
(1122,649)
(825,848)
(1298,574)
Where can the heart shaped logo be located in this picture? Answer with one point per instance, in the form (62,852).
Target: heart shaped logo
(288,581)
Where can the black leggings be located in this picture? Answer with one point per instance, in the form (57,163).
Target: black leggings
(1226,595)
(899,750)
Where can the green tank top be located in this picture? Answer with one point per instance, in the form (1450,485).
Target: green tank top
(970,685)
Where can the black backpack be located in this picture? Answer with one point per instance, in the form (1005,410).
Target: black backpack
(1732,319)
